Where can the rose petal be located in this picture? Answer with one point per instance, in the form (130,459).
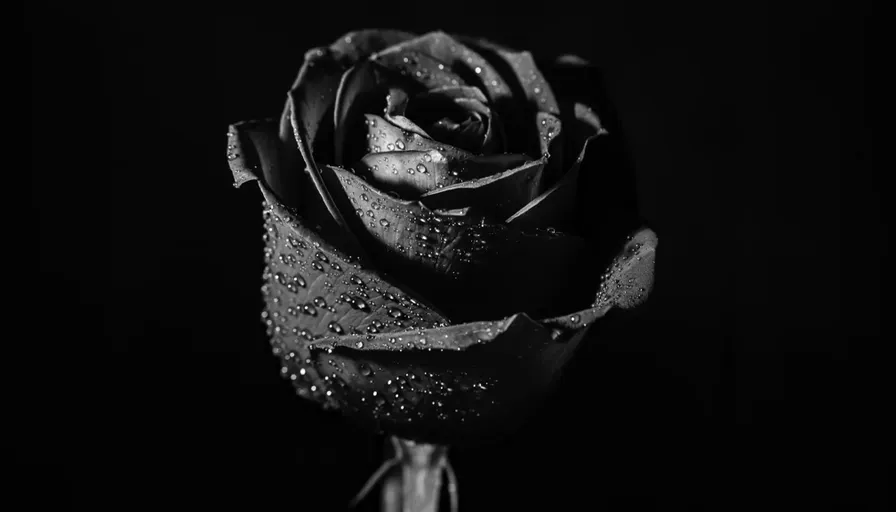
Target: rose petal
(313,289)
(524,70)
(496,196)
(360,44)
(412,173)
(256,152)
(458,91)
(360,88)
(551,144)
(383,132)
(462,121)
(626,283)
(455,57)
(445,395)
(311,100)
(446,384)
(422,68)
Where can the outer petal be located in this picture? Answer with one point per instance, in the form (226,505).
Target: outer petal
(460,60)
(255,151)
(361,89)
(426,70)
(311,102)
(360,44)
(313,289)
(465,381)
(523,67)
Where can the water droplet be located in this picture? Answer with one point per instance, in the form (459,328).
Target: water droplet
(390,147)
(354,279)
(360,304)
(574,319)
(319,302)
(427,157)
(410,170)
(399,144)
(359,344)
(317,266)
(477,70)
(336,328)
(308,309)
(421,168)
(384,223)
(395,312)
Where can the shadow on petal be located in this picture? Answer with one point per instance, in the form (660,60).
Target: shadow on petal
(470,267)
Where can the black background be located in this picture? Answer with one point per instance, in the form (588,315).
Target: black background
(744,384)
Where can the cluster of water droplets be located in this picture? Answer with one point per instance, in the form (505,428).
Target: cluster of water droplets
(409,228)
(313,291)
(627,280)
(384,395)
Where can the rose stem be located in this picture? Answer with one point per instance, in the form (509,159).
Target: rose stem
(413,478)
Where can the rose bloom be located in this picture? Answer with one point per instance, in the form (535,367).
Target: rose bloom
(443,225)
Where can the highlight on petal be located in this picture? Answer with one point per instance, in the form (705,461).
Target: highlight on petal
(413,173)
(497,196)
(629,280)
(386,135)
(455,57)
(549,128)
(313,290)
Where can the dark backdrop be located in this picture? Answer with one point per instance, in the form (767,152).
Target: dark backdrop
(742,386)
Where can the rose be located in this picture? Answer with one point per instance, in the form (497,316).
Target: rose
(454,166)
